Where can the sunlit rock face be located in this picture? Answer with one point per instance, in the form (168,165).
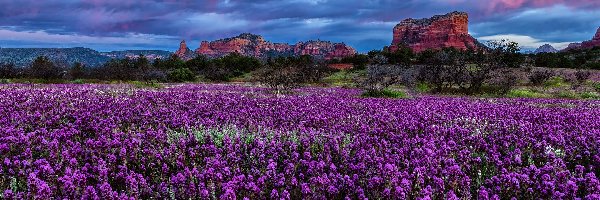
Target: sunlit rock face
(255,45)
(449,30)
(184,52)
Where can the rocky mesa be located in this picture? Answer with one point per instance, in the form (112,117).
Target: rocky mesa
(449,30)
(594,42)
(255,45)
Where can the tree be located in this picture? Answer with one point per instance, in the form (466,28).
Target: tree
(77,71)
(182,75)
(286,73)
(198,63)
(43,68)
(8,71)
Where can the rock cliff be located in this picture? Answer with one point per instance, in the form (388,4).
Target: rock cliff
(184,52)
(449,30)
(255,45)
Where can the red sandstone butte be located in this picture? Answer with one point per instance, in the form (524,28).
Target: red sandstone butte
(595,42)
(255,45)
(184,52)
(449,30)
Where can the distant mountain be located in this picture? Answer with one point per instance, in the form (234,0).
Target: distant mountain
(255,45)
(68,56)
(546,48)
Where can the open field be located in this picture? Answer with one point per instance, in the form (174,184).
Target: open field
(205,141)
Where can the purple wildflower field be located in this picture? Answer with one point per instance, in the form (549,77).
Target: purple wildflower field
(240,142)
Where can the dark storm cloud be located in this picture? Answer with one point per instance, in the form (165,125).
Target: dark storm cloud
(365,24)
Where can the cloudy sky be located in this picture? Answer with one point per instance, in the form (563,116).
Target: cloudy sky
(365,24)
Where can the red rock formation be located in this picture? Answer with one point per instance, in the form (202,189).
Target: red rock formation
(255,45)
(449,30)
(184,52)
(595,42)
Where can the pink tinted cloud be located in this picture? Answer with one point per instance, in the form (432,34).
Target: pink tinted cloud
(499,6)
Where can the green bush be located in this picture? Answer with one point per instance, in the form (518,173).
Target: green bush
(567,95)
(182,75)
(78,81)
(521,93)
(5,81)
(385,94)
(555,82)
(596,86)
(423,87)
(590,95)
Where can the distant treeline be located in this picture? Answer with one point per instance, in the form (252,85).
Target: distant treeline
(578,59)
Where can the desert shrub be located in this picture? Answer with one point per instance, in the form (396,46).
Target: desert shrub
(5,81)
(505,82)
(217,73)
(555,81)
(467,71)
(596,86)
(539,77)
(380,77)
(582,75)
(422,87)
(359,61)
(592,65)
(154,75)
(78,81)
(182,75)
(377,57)
(567,95)
(285,73)
(590,95)
(386,93)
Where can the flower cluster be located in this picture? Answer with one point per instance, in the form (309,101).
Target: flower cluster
(236,142)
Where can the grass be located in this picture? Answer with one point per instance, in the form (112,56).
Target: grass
(567,95)
(556,82)
(423,87)
(344,78)
(141,84)
(385,94)
(525,93)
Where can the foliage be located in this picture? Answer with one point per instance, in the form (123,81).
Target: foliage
(468,70)
(182,75)
(285,73)
(43,68)
(380,77)
(8,71)
(582,75)
(78,71)
(386,93)
(198,64)
(540,76)
(358,61)
(524,93)
(590,95)
(555,82)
